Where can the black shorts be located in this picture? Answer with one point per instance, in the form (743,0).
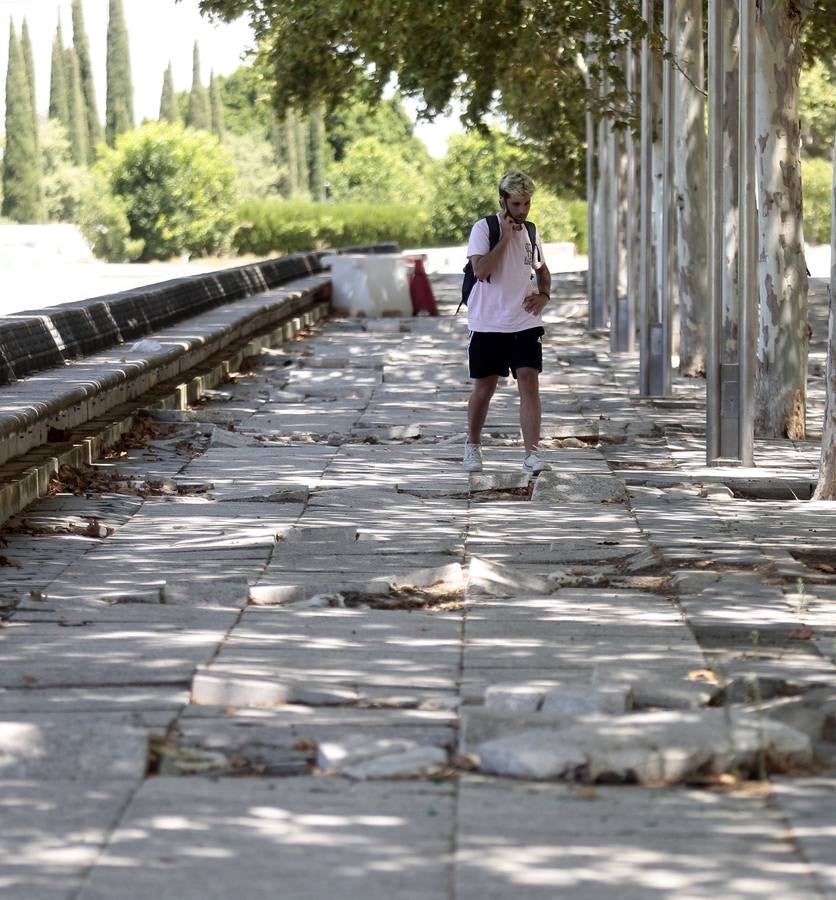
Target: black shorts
(494,352)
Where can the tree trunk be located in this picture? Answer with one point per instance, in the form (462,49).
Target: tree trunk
(783,331)
(826,488)
(690,178)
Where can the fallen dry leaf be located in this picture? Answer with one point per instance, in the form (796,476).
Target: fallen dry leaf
(37,596)
(703,675)
(802,634)
(305,746)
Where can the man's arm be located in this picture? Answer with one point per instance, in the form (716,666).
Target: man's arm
(536,303)
(486,265)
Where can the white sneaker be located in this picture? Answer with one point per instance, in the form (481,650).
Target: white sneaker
(533,465)
(472,457)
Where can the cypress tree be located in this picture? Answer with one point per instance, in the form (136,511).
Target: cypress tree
(168,102)
(277,139)
(317,154)
(58,97)
(119,104)
(301,136)
(198,114)
(29,60)
(77,110)
(82,49)
(21,173)
(291,150)
(216,106)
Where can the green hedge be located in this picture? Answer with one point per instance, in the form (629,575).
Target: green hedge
(269,227)
(274,226)
(817,184)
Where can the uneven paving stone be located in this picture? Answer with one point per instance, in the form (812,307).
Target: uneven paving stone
(560,487)
(53,832)
(538,842)
(195,838)
(55,746)
(651,748)
(808,805)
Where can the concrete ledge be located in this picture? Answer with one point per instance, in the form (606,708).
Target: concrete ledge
(36,340)
(218,344)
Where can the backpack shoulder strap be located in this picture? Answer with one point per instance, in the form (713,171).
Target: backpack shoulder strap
(531,228)
(493,230)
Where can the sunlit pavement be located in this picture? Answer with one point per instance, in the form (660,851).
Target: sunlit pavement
(363,673)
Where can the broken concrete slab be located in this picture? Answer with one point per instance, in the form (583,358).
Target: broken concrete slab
(486,578)
(651,748)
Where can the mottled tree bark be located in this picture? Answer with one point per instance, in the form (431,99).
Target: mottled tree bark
(783,330)
(690,178)
(826,488)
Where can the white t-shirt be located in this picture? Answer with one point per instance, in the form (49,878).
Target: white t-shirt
(496,305)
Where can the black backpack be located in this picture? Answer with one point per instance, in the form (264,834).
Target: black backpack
(493,239)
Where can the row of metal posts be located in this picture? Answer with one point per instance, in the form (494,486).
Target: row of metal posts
(622,273)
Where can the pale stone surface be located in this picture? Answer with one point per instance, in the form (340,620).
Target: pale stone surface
(412,762)
(53,831)
(513,698)
(196,837)
(52,746)
(227,592)
(357,748)
(221,689)
(650,747)
(498,580)
(558,487)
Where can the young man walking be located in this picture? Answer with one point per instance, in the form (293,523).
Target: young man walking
(504,317)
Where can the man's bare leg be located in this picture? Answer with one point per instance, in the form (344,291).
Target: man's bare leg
(478,404)
(528,384)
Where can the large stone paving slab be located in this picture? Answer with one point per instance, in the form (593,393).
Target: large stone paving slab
(203,839)
(48,655)
(53,831)
(540,842)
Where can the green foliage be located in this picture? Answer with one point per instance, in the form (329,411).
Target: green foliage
(246,102)
(175,186)
(77,111)
(817,185)
(198,114)
(269,227)
(21,168)
(29,62)
(82,49)
(558,219)
(103,220)
(257,174)
(372,172)
(168,102)
(466,182)
(317,154)
(818,108)
(387,121)
(63,181)
(59,101)
(119,108)
(216,107)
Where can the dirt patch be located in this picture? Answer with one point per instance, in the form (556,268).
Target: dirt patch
(437,598)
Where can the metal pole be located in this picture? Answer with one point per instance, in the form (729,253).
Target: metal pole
(591,270)
(646,309)
(614,199)
(747,255)
(714,244)
(603,299)
(668,221)
(632,218)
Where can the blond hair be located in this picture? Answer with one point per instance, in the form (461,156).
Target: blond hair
(516,184)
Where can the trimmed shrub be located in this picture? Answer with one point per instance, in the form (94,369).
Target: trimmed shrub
(274,226)
(175,186)
(816,183)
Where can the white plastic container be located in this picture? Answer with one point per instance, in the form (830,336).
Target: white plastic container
(370,284)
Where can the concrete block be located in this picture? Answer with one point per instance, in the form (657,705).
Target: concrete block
(350,749)
(417,762)
(498,580)
(232,591)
